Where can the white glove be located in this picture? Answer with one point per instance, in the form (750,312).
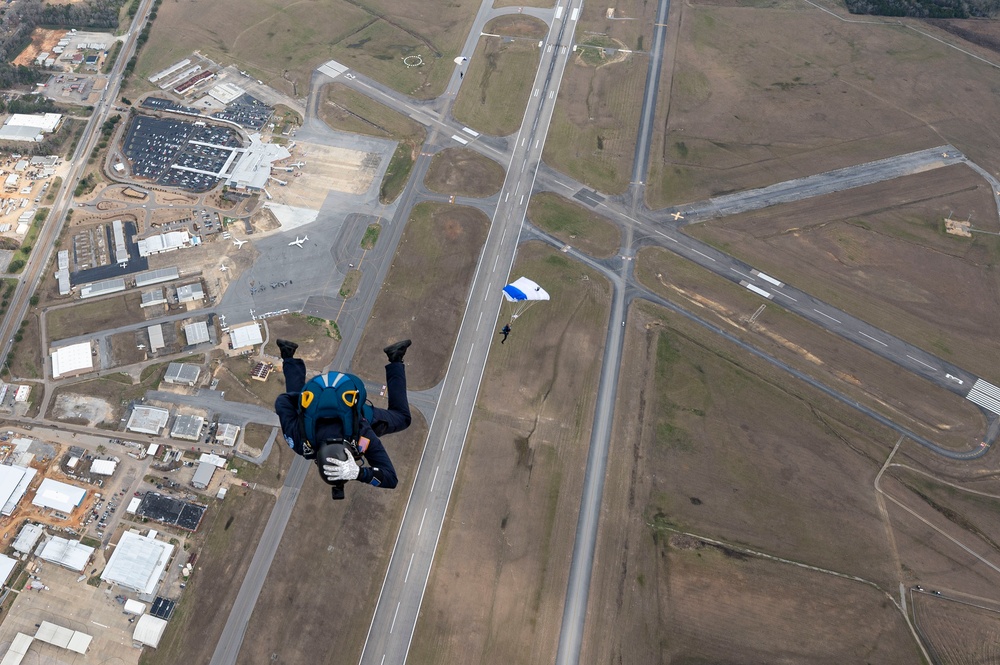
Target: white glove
(336,469)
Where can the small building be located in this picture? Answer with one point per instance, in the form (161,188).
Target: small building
(70,554)
(59,496)
(196,333)
(72,360)
(10,182)
(190,292)
(182,374)
(135,607)
(133,505)
(103,467)
(138,562)
(227,434)
(187,427)
(148,420)
(28,538)
(203,475)
(22,393)
(244,336)
(149,630)
(155,338)
(152,298)
(64,638)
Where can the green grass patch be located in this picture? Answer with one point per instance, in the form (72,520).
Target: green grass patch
(396,174)
(350,283)
(497,85)
(591,50)
(54,188)
(574,224)
(371,236)
(24,251)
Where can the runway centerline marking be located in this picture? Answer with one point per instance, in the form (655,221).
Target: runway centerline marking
(394,618)
(826,315)
(410,565)
(702,254)
(873,339)
(786,295)
(741,273)
(421,527)
(460,385)
(436,469)
(922,362)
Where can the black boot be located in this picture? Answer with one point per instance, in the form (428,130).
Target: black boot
(287,349)
(395,352)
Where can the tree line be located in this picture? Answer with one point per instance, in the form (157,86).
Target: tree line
(926,8)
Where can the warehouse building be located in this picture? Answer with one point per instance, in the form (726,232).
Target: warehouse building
(70,554)
(152,298)
(102,288)
(28,538)
(138,562)
(182,374)
(245,336)
(203,475)
(150,277)
(147,420)
(72,360)
(155,338)
(187,428)
(59,496)
(227,434)
(196,333)
(190,292)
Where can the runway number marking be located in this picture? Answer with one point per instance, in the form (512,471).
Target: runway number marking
(826,315)
(873,339)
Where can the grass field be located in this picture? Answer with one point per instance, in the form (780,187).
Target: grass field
(94,316)
(497,83)
(718,443)
(574,224)
(824,93)
(958,633)
(498,584)
(116,389)
(283,41)
(319,597)
(464,172)
(429,280)
(936,414)
(517,25)
(317,338)
(594,127)
(880,253)
(26,359)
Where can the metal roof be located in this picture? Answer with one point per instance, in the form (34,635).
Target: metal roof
(138,562)
(182,373)
(67,553)
(247,335)
(72,358)
(58,496)
(156,276)
(102,288)
(187,427)
(155,337)
(147,419)
(149,630)
(196,333)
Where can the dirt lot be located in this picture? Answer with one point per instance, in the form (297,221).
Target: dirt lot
(932,412)
(727,447)
(318,340)
(86,410)
(429,280)
(574,224)
(112,390)
(497,587)
(880,253)
(497,84)
(42,41)
(319,597)
(282,42)
(463,172)
(824,94)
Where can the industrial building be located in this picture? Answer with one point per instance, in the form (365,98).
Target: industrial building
(28,538)
(196,333)
(187,428)
(203,475)
(102,288)
(62,272)
(138,562)
(6,567)
(182,373)
(25,127)
(155,338)
(59,496)
(72,360)
(150,277)
(152,298)
(149,630)
(14,481)
(103,467)
(147,420)
(164,242)
(227,434)
(248,335)
(70,554)
(190,292)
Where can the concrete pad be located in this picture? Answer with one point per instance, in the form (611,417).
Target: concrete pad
(291,217)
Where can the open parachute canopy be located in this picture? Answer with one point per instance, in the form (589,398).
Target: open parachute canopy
(522,294)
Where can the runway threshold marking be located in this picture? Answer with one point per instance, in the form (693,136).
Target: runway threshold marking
(873,339)
(922,362)
(826,315)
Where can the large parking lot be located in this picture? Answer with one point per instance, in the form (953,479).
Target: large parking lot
(156,147)
(247,111)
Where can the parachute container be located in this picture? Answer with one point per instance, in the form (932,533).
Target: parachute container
(522,294)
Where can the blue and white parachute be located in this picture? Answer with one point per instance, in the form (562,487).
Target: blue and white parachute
(522,294)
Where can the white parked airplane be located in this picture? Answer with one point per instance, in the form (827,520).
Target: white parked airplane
(677,216)
(140,346)
(298,241)
(239,243)
(223,268)
(298,164)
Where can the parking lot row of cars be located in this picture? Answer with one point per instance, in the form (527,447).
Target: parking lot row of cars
(154,146)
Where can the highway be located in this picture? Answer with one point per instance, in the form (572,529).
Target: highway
(52,227)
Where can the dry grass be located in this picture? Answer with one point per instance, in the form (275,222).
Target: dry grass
(762,95)
(349,111)
(880,253)
(429,280)
(958,633)
(94,316)
(497,85)
(497,588)
(464,172)
(517,25)
(574,224)
(27,359)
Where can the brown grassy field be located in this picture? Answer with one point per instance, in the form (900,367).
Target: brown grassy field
(319,597)
(94,316)
(880,253)
(574,224)
(938,415)
(350,111)
(115,389)
(594,127)
(283,41)
(429,280)
(517,25)
(318,340)
(26,357)
(497,83)
(958,633)
(497,587)
(464,172)
(816,94)
(727,447)
(225,544)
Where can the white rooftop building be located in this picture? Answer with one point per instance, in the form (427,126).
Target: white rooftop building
(149,630)
(71,360)
(6,567)
(10,478)
(247,335)
(147,420)
(226,434)
(64,638)
(196,333)
(102,288)
(70,554)
(138,562)
(190,292)
(182,373)
(58,496)
(252,168)
(187,427)
(103,467)
(155,337)
(22,486)
(28,538)
(164,242)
